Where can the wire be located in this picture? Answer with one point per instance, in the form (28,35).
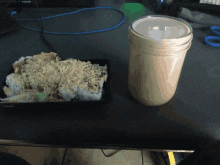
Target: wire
(64,156)
(142,157)
(103,153)
(109,155)
(186,14)
(193,21)
(120,150)
(101,30)
(7,4)
(42,30)
(164,158)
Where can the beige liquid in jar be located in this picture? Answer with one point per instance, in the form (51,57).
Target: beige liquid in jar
(153,76)
(153,79)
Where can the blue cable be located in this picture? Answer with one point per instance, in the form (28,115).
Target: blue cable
(159,4)
(213,29)
(102,30)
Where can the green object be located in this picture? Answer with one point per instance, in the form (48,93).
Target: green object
(133,10)
(42,96)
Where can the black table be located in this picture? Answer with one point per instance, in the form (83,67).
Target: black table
(187,122)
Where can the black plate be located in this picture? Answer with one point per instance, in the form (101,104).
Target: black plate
(106,96)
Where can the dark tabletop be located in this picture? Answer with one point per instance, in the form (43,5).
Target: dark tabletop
(187,122)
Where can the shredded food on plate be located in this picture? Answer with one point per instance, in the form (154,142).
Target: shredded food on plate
(44,73)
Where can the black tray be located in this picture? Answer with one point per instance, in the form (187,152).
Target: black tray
(106,96)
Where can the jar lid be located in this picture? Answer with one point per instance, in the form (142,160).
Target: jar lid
(160,27)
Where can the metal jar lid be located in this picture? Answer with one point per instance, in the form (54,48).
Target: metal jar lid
(162,30)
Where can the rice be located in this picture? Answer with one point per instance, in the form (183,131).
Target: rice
(21,98)
(70,79)
(84,95)
(15,83)
(8,91)
(88,96)
(67,96)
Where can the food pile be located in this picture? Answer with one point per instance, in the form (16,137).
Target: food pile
(44,74)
